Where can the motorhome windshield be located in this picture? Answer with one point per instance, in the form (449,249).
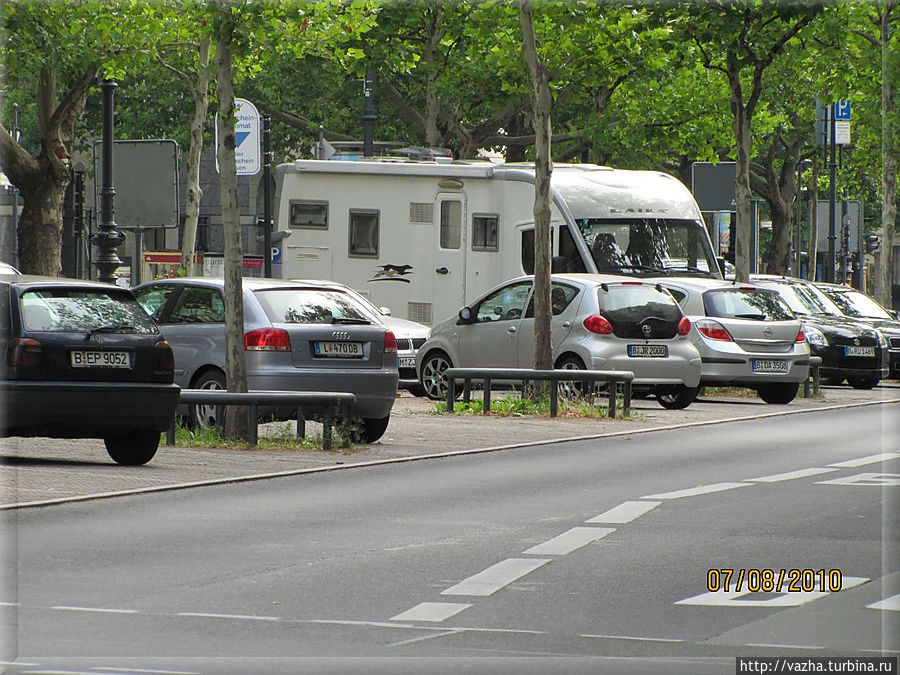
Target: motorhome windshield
(649,246)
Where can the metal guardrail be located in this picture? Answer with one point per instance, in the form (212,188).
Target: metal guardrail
(333,403)
(815,362)
(525,375)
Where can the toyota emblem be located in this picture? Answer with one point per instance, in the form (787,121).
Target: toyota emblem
(646,330)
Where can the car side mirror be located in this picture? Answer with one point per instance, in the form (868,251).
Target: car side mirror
(386,311)
(720,261)
(465,315)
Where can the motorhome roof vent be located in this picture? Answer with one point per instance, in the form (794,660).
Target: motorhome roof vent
(421,212)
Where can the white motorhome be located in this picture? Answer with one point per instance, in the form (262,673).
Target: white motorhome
(425,238)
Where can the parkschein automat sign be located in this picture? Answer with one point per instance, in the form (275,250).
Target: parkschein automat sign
(247,155)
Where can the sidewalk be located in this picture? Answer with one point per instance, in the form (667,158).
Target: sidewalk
(40,469)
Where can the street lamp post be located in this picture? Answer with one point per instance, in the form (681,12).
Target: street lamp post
(108,238)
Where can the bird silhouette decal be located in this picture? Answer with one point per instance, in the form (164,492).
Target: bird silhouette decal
(392,273)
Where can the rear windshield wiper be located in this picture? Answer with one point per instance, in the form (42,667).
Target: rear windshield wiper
(119,328)
(688,268)
(755,317)
(350,320)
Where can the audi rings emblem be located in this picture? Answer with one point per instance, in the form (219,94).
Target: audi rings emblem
(340,335)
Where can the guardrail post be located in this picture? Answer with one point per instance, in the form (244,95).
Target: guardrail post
(613,386)
(814,363)
(487,396)
(626,396)
(301,423)
(451,393)
(254,425)
(554,398)
(467,390)
(170,433)
(327,431)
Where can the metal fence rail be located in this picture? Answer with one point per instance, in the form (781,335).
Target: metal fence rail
(525,375)
(334,404)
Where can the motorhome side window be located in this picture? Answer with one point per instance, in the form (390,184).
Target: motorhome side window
(484,232)
(451,224)
(364,234)
(309,214)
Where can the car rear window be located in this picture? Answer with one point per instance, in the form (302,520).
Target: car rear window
(744,303)
(68,310)
(634,303)
(304,305)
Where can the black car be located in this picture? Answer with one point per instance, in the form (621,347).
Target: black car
(860,307)
(849,350)
(83,360)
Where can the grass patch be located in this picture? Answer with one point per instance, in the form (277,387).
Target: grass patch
(595,406)
(346,435)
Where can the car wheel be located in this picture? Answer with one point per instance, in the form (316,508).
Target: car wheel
(678,398)
(133,448)
(569,389)
(373,428)
(204,416)
(433,378)
(416,390)
(864,382)
(834,380)
(780,392)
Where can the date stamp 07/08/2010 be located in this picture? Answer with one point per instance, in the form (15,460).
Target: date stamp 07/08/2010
(773,581)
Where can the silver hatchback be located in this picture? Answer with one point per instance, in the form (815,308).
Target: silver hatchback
(599,322)
(746,335)
(298,336)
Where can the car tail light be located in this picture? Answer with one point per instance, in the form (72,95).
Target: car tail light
(713,330)
(267,340)
(684,326)
(390,342)
(801,336)
(24,352)
(598,324)
(163,357)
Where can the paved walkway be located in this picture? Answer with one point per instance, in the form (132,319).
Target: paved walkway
(41,469)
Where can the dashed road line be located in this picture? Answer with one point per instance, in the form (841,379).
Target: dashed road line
(624,512)
(862,461)
(791,475)
(697,491)
(572,540)
(67,608)
(632,637)
(891,604)
(432,611)
(495,577)
(245,617)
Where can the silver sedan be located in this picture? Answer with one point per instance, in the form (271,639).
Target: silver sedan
(599,322)
(747,336)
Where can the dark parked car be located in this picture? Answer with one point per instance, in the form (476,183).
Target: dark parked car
(849,350)
(860,307)
(83,360)
(298,336)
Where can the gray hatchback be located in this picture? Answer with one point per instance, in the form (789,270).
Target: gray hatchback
(298,336)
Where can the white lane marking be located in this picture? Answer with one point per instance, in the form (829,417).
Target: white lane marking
(67,608)
(432,611)
(892,603)
(791,475)
(145,670)
(632,637)
(570,541)
(862,461)
(495,577)
(624,512)
(422,638)
(866,480)
(701,490)
(8,604)
(248,617)
(774,646)
(733,598)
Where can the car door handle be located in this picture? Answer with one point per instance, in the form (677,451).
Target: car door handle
(442,270)
(511,329)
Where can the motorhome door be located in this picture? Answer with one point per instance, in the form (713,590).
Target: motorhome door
(449,266)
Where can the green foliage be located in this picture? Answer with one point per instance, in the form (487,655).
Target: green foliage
(518,406)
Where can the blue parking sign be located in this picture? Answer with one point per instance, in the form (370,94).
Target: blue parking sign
(842,110)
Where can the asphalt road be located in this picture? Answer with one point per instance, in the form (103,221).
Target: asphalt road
(583,556)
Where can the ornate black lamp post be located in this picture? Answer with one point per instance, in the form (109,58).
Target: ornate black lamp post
(108,238)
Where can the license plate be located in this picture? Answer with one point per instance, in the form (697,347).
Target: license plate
(766,366)
(82,358)
(407,362)
(648,351)
(344,350)
(859,351)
